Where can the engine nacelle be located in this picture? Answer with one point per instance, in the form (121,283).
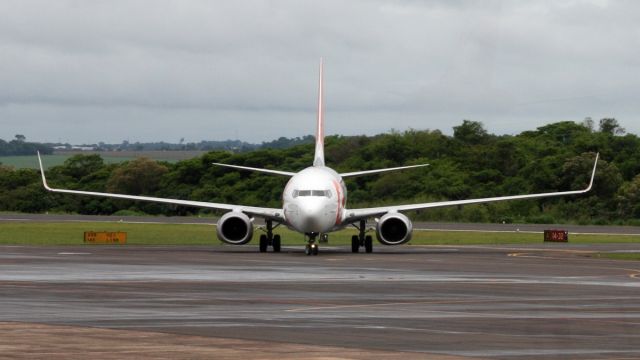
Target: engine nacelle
(234,228)
(394,229)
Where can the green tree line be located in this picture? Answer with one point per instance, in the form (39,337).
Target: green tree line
(19,146)
(471,163)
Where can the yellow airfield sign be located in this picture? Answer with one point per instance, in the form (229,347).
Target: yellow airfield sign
(105,237)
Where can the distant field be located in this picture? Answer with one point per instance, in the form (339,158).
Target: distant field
(158,155)
(71,233)
(110,157)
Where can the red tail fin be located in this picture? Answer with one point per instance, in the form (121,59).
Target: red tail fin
(318,159)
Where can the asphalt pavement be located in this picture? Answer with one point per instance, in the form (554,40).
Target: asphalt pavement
(548,301)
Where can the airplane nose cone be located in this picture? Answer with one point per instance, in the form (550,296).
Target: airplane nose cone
(312,216)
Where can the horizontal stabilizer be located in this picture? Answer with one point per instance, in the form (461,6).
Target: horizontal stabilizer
(376,171)
(267,171)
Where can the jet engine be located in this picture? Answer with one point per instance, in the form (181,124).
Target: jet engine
(234,228)
(394,229)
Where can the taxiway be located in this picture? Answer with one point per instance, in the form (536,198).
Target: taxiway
(440,302)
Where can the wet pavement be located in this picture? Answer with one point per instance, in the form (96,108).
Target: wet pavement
(500,302)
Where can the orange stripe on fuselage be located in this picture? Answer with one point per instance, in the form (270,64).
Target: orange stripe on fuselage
(338,211)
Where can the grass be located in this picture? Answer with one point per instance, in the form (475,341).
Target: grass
(71,233)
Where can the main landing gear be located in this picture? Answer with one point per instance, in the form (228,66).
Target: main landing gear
(269,239)
(360,240)
(311,248)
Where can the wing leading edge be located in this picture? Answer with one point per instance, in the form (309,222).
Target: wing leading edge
(355,214)
(269,213)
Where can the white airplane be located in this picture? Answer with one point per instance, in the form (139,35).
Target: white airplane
(314,204)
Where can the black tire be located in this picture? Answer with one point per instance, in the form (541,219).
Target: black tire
(355,244)
(314,250)
(368,243)
(276,243)
(264,243)
(307,250)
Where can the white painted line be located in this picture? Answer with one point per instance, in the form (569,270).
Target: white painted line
(523,232)
(107,221)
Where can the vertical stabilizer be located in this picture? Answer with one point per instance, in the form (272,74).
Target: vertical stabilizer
(318,159)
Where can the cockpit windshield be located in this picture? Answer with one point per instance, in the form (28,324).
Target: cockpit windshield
(323,193)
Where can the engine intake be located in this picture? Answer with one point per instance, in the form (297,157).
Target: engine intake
(394,229)
(234,228)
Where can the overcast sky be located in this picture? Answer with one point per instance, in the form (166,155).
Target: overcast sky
(88,71)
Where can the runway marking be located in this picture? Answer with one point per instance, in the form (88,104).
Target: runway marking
(521,232)
(508,248)
(537,352)
(74,253)
(517,254)
(351,306)
(542,256)
(119,221)
(633,273)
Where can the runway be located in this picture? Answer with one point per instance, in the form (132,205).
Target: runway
(439,302)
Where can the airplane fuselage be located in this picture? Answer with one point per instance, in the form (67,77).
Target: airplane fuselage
(314,200)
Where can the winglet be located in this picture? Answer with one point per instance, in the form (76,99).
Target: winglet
(318,159)
(44,180)
(593,173)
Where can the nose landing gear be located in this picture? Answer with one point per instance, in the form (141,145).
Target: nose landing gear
(311,248)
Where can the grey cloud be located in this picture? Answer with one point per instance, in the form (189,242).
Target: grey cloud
(147,70)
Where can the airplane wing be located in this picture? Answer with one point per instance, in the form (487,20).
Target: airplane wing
(269,213)
(377,171)
(357,214)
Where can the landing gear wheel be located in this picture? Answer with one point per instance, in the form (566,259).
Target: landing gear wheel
(368,243)
(355,244)
(311,249)
(276,243)
(264,242)
(324,238)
